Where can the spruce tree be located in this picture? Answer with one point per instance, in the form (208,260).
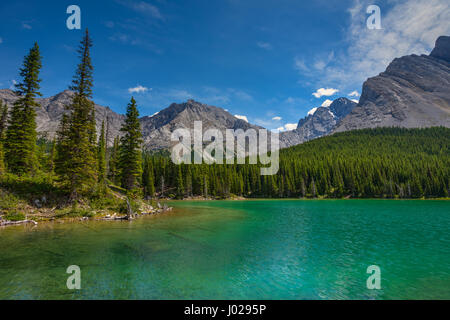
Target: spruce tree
(101,157)
(2,163)
(20,143)
(179,183)
(3,119)
(113,167)
(51,158)
(130,162)
(76,163)
(148,179)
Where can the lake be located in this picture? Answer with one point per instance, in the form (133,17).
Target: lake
(251,249)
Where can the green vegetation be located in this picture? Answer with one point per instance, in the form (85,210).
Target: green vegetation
(67,177)
(16,216)
(78,176)
(130,165)
(101,157)
(21,134)
(76,164)
(3,119)
(369,163)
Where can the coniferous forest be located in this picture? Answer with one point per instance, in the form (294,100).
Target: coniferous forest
(368,163)
(77,167)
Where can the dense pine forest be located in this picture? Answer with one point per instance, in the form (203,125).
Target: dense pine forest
(77,169)
(383,162)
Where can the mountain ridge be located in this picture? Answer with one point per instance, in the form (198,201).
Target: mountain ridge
(413,92)
(156,129)
(321,122)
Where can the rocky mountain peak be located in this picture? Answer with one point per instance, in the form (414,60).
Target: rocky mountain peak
(413,92)
(320,123)
(442,48)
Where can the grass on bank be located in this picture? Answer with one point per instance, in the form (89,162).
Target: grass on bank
(38,198)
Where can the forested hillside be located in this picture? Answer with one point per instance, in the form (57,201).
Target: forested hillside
(383,162)
(52,178)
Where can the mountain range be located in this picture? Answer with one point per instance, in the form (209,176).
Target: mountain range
(414,91)
(320,121)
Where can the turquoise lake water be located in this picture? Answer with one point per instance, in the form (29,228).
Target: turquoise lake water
(262,249)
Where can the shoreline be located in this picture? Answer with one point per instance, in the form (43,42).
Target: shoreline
(304,199)
(39,219)
(36,219)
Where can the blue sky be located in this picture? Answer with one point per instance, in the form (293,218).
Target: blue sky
(265,60)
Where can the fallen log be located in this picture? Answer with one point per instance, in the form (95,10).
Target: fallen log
(7,222)
(114,218)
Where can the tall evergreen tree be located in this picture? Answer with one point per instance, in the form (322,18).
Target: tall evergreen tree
(179,183)
(130,162)
(101,157)
(113,166)
(76,163)
(2,163)
(3,120)
(20,143)
(148,179)
(51,158)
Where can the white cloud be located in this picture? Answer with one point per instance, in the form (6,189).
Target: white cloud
(242,95)
(354,100)
(120,37)
(241,117)
(325,92)
(290,126)
(300,65)
(408,27)
(213,95)
(143,8)
(276,118)
(320,64)
(26,25)
(353,94)
(138,89)
(13,85)
(312,111)
(294,100)
(264,45)
(286,127)
(327,103)
(179,94)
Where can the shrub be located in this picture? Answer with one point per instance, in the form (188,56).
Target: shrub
(8,200)
(14,216)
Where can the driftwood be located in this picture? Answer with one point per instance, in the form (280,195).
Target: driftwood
(132,215)
(114,218)
(8,223)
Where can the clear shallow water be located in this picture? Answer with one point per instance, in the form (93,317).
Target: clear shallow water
(287,249)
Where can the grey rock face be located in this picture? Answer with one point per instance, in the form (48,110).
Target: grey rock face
(413,92)
(442,48)
(52,109)
(158,128)
(321,123)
